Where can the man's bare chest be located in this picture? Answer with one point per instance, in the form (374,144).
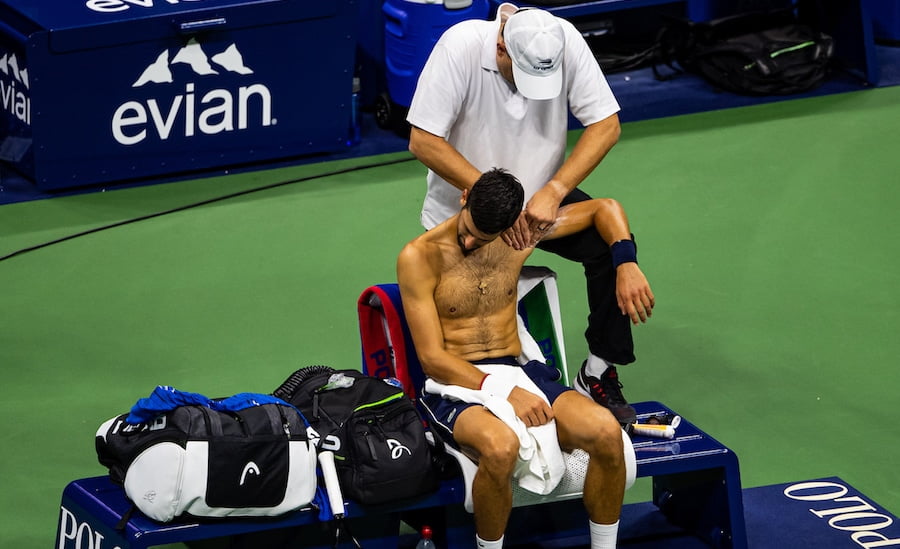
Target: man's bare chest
(476,287)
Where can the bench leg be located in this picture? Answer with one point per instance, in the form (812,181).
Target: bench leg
(705,502)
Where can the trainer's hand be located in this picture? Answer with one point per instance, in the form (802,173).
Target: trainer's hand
(633,293)
(542,209)
(529,407)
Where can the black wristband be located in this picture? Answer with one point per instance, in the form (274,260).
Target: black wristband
(623,251)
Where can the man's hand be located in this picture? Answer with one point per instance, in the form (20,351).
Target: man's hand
(536,219)
(520,236)
(529,407)
(633,293)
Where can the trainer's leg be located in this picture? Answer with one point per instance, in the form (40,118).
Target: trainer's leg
(495,447)
(608,331)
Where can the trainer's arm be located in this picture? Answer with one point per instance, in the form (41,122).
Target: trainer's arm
(442,158)
(591,148)
(417,280)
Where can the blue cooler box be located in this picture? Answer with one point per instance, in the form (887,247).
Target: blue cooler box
(96,91)
(411,28)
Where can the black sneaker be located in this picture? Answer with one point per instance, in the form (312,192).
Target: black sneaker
(607,392)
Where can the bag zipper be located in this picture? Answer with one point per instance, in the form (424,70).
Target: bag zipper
(378,402)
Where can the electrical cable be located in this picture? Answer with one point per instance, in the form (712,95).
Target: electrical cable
(201,203)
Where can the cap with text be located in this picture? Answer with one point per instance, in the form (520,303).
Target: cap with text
(535,42)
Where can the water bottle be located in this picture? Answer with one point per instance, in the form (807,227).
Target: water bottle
(426,541)
(354,135)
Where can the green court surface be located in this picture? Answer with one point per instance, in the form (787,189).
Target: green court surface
(768,233)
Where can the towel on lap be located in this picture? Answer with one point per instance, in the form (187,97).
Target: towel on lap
(540,464)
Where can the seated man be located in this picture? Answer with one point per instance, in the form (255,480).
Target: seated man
(458,284)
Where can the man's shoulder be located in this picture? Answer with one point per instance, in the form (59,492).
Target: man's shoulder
(425,244)
(414,249)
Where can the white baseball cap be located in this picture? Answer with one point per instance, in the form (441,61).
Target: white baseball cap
(535,42)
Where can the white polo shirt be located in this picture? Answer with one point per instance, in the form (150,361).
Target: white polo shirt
(462,97)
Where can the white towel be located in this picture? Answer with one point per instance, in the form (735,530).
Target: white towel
(540,464)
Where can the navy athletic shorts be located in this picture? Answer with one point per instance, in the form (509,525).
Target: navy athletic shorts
(443,412)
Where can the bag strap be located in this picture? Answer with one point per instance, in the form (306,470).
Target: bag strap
(214,421)
(275,418)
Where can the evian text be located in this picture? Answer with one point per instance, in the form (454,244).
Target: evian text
(14,85)
(218,110)
(112,6)
(15,102)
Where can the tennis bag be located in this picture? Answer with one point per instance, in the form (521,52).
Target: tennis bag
(377,436)
(182,453)
(754,53)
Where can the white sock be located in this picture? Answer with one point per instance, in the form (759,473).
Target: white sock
(481,544)
(603,536)
(595,366)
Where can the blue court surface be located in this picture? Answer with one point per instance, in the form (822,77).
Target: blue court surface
(812,514)
(824,513)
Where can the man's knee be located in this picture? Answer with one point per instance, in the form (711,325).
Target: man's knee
(605,442)
(590,427)
(498,452)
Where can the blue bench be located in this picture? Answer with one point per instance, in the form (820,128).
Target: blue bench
(696,488)
(696,480)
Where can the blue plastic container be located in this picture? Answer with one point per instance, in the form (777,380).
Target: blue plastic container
(410,31)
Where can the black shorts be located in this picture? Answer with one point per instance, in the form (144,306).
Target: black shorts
(442,412)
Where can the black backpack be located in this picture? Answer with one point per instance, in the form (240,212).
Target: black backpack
(754,53)
(377,436)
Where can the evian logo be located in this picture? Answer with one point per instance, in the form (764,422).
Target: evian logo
(14,87)
(113,6)
(189,113)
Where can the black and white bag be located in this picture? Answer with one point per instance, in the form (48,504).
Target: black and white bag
(226,462)
(753,53)
(372,427)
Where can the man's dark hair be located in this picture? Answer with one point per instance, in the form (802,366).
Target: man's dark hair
(495,201)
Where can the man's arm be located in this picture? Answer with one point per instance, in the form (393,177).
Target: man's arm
(442,158)
(607,216)
(590,149)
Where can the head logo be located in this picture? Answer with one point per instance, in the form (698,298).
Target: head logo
(249,469)
(217,110)
(14,87)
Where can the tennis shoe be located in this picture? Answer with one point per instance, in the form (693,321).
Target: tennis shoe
(607,392)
